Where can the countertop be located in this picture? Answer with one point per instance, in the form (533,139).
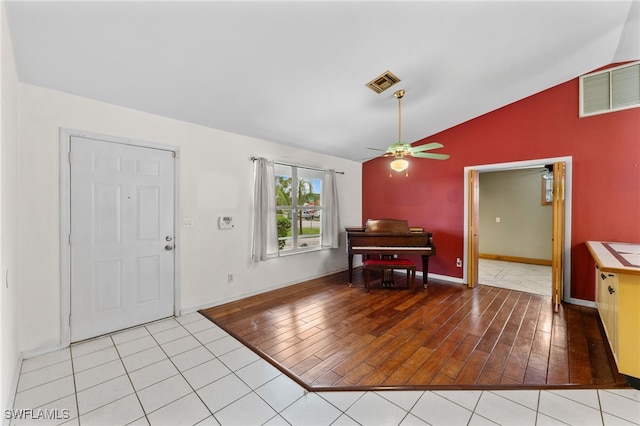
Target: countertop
(621,258)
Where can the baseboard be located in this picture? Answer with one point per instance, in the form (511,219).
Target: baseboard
(516,259)
(192,309)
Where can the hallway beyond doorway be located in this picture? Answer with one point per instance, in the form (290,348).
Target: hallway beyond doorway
(516,276)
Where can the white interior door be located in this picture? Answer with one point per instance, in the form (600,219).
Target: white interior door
(122,232)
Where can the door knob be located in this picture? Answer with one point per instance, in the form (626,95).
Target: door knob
(168,247)
(168,238)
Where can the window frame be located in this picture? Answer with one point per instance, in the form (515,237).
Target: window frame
(296,209)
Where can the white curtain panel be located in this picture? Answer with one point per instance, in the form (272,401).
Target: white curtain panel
(265,229)
(330,224)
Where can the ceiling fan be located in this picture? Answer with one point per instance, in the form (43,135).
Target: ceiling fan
(400,150)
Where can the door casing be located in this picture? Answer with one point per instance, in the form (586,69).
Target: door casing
(65,220)
(567,222)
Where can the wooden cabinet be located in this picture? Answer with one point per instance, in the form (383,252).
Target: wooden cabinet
(607,301)
(618,302)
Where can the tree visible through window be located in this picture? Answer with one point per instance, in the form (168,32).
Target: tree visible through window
(299,207)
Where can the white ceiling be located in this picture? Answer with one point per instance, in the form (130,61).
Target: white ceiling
(294,72)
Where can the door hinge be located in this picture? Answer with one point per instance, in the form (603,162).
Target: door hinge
(69,156)
(69,320)
(69,239)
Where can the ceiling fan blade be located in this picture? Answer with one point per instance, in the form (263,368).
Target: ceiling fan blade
(377,149)
(430,155)
(426,147)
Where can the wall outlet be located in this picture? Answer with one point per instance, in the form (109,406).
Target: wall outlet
(459,263)
(230,278)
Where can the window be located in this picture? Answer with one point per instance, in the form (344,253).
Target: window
(610,90)
(298,208)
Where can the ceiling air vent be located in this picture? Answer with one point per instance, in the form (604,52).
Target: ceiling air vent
(382,82)
(610,90)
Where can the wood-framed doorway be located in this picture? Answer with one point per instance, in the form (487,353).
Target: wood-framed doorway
(562,244)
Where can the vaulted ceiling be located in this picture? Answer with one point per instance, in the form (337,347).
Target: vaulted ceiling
(294,72)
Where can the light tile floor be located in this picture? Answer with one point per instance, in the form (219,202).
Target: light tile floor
(188,371)
(515,276)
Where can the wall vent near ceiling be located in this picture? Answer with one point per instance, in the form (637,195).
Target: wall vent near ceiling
(610,90)
(382,82)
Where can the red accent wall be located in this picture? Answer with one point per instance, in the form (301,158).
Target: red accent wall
(606,175)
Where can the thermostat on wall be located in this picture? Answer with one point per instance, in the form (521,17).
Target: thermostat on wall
(225,222)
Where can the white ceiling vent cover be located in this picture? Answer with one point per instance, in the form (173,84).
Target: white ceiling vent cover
(611,90)
(382,82)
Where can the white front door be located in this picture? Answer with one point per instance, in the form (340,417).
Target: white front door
(122,231)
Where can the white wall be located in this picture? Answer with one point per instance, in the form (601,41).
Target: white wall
(9,196)
(216,178)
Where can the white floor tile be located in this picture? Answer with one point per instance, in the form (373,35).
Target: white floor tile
(45,394)
(478,420)
(121,412)
(129,335)
(280,392)
(258,373)
(152,374)
(191,317)
(179,346)
(341,400)
(403,399)
(138,345)
(588,397)
(248,410)
(45,360)
(199,325)
(192,358)
(466,399)
(210,334)
(164,392)
(621,405)
(206,373)
(311,409)
(188,410)
(39,377)
(504,411)
(411,420)
(223,392)
(144,358)
(94,359)
(527,398)
(103,394)
(162,325)
(223,345)
(436,410)
(567,410)
(372,409)
(99,374)
(278,421)
(238,358)
(86,347)
(170,334)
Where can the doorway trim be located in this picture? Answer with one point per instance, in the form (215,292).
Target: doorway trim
(65,135)
(567,223)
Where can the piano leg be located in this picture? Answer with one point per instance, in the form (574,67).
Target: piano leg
(425,270)
(350,270)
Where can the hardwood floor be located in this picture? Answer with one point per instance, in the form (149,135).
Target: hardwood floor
(328,336)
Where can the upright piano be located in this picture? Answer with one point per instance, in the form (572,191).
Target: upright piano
(389,237)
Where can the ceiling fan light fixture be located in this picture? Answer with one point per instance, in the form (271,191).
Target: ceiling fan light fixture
(399,165)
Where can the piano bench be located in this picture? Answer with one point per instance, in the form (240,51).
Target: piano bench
(390,264)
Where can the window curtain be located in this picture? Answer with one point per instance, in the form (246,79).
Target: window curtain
(265,229)
(330,223)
